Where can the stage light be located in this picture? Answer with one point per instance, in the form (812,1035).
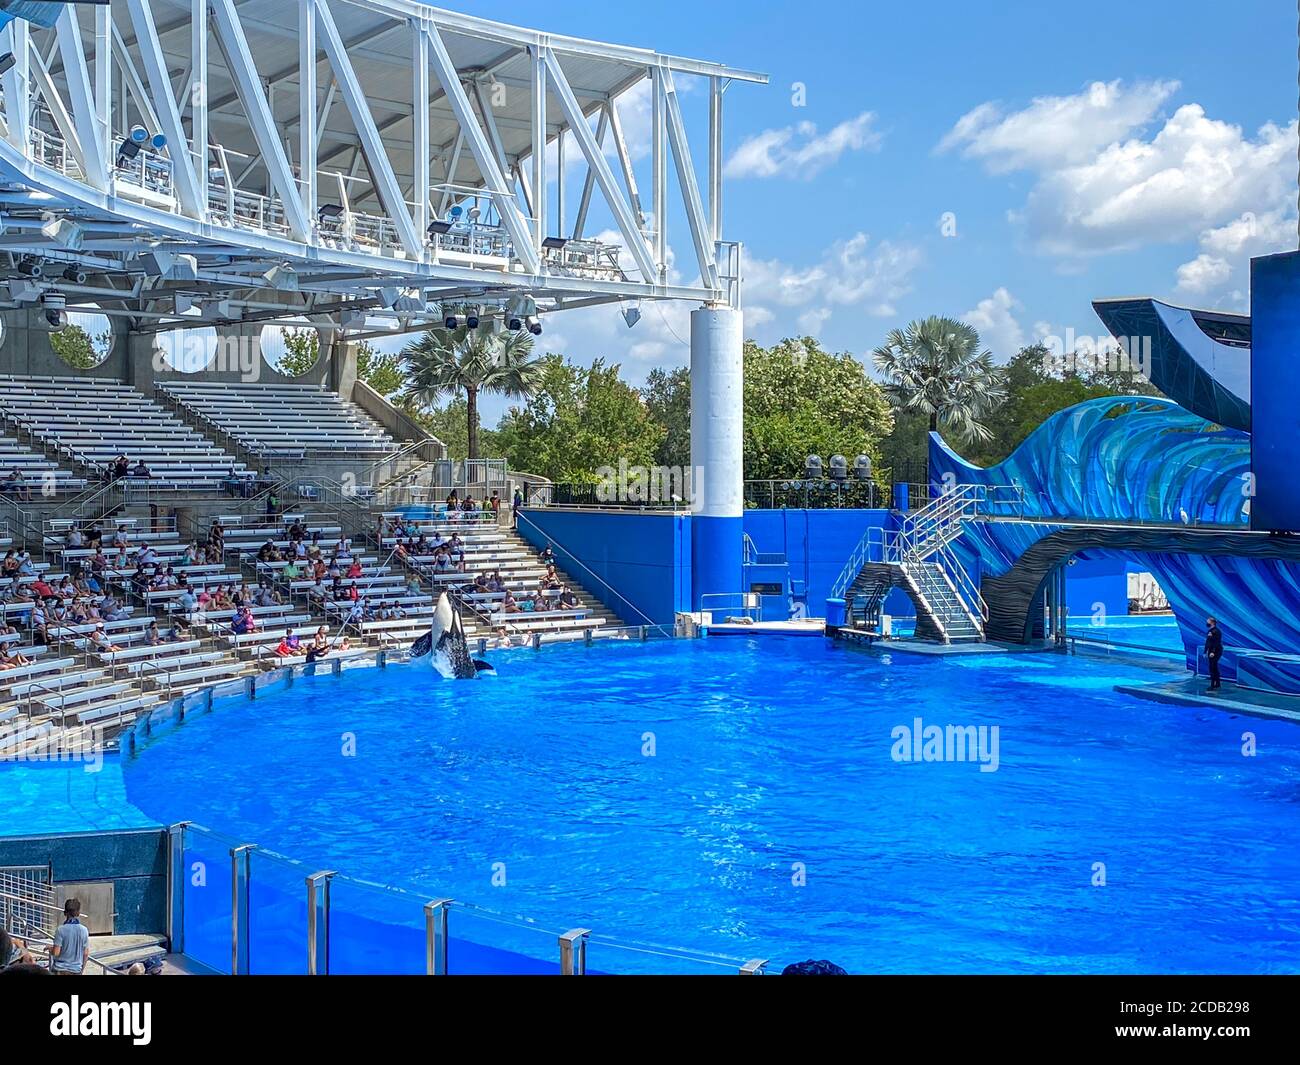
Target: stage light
(839,468)
(126,151)
(812,467)
(862,467)
(439,228)
(329,211)
(29,267)
(452,321)
(75,274)
(472,319)
(555,243)
(534,325)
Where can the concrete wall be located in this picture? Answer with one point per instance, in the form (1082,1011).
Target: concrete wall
(135,860)
(644,557)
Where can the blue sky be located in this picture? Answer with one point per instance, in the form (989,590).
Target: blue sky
(1081,150)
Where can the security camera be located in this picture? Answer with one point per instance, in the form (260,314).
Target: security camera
(30,267)
(53,315)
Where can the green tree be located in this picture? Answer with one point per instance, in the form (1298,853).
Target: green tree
(301,350)
(802,400)
(667,395)
(450,362)
(380,371)
(935,367)
(75,346)
(578,420)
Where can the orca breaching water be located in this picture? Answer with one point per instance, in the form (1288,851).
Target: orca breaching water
(446,647)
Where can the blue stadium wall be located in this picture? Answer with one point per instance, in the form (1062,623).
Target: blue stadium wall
(642,558)
(1274,388)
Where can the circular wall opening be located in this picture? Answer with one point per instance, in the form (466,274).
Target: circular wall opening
(86,341)
(187,350)
(291,347)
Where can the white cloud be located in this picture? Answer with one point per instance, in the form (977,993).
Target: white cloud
(995,319)
(1103,183)
(1056,131)
(799,151)
(1205,273)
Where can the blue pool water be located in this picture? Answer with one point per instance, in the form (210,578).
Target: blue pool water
(771,820)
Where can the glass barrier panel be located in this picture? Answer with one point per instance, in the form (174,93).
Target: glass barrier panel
(206,897)
(375,930)
(277,915)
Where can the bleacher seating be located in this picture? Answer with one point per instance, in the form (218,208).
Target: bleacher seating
(42,476)
(284,419)
(91,422)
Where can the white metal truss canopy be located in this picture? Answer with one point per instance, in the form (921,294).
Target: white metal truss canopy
(333,154)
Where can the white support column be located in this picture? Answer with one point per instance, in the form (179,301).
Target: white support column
(18,89)
(420,130)
(659,166)
(81,97)
(539,148)
(715,157)
(717,450)
(589,182)
(559,181)
(307,92)
(104,79)
(199,96)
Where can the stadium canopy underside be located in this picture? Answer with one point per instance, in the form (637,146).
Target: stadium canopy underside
(219,161)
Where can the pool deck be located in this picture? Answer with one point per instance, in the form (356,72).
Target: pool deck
(930,649)
(791,627)
(1190,691)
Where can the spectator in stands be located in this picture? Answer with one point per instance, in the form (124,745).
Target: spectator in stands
(510,605)
(297,530)
(111,610)
(9,567)
(151,635)
(442,560)
(26,567)
(319,646)
(456,548)
(289,644)
(14,485)
(10,657)
(413,585)
(140,470)
(272,504)
(516,506)
(546,556)
(267,552)
(13,951)
(567,600)
(100,642)
(500,638)
(267,596)
(552,579)
(94,535)
(122,560)
(121,466)
(354,570)
(120,538)
(243,622)
(186,602)
(494,504)
(71,947)
(75,539)
(291,572)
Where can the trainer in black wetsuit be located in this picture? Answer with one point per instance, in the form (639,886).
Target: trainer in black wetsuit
(1213,650)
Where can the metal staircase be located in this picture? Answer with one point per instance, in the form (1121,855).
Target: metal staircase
(918,557)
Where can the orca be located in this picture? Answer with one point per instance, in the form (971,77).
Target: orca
(446,647)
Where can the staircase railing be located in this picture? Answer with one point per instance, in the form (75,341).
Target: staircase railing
(965,586)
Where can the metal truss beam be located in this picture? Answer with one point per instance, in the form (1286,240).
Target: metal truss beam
(699,226)
(627,223)
(186,182)
(484,156)
(82,98)
(381,168)
(239,59)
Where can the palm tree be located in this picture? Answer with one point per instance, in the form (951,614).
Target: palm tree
(935,368)
(476,361)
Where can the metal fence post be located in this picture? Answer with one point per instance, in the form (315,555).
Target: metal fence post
(435,936)
(176,887)
(573,952)
(239,870)
(318,923)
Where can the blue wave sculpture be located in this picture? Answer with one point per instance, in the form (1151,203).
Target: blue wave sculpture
(1130,458)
